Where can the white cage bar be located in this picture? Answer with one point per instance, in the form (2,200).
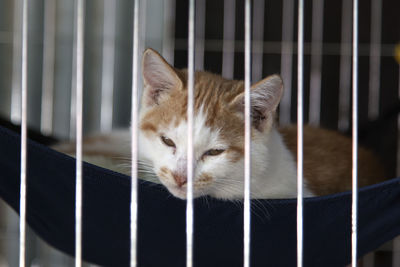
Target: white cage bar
(300,111)
(247,134)
(134,136)
(80,23)
(190,143)
(24,134)
(354,137)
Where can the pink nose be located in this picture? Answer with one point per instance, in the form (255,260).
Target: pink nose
(179,178)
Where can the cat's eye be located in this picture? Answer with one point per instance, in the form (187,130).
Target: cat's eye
(213,152)
(167,141)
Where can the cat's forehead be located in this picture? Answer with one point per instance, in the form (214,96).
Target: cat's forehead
(202,134)
(213,94)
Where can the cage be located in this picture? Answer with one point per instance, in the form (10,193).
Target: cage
(219,47)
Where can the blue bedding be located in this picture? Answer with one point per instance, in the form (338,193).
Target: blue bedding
(218,230)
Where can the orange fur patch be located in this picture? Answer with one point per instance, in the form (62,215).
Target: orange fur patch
(148,127)
(164,171)
(204,177)
(327,160)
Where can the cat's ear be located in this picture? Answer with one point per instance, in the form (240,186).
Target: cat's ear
(159,77)
(265,97)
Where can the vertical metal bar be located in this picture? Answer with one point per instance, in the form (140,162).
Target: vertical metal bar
(169,31)
(190,151)
(80,20)
(287,59)
(17,59)
(375,59)
(354,136)
(258,40)
(247,132)
(300,56)
(107,78)
(134,134)
(24,133)
(200,18)
(316,61)
(46,120)
(228,45)
(345,67)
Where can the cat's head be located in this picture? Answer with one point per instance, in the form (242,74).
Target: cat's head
(218,127)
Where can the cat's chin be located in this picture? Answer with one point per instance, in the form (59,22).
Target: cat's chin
(181,192)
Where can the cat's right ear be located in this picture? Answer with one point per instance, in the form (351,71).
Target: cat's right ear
(265,97)
(159,77)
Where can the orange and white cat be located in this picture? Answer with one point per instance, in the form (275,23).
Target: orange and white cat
(219,140)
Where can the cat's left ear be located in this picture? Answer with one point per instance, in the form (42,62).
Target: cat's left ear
(265,97)
(159,77)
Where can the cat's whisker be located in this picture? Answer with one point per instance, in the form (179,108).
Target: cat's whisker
(238,204)
(204,198)
(228,190)
(258,205)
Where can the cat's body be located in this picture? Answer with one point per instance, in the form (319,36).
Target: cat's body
(328,160)
(219,138)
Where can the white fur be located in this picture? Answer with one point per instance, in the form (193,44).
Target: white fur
(152,149)
(273,169)
(273,172)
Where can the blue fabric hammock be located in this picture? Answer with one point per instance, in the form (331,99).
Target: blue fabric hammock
(218,224)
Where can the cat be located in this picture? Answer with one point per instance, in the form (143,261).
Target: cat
(219,140)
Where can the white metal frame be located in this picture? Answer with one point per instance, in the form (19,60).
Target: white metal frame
(80,24)
(134,134)
(247,134)
(24,134)
(190,122)
(300,107)
(354,205)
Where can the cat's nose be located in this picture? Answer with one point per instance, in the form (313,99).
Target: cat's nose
(179,178)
